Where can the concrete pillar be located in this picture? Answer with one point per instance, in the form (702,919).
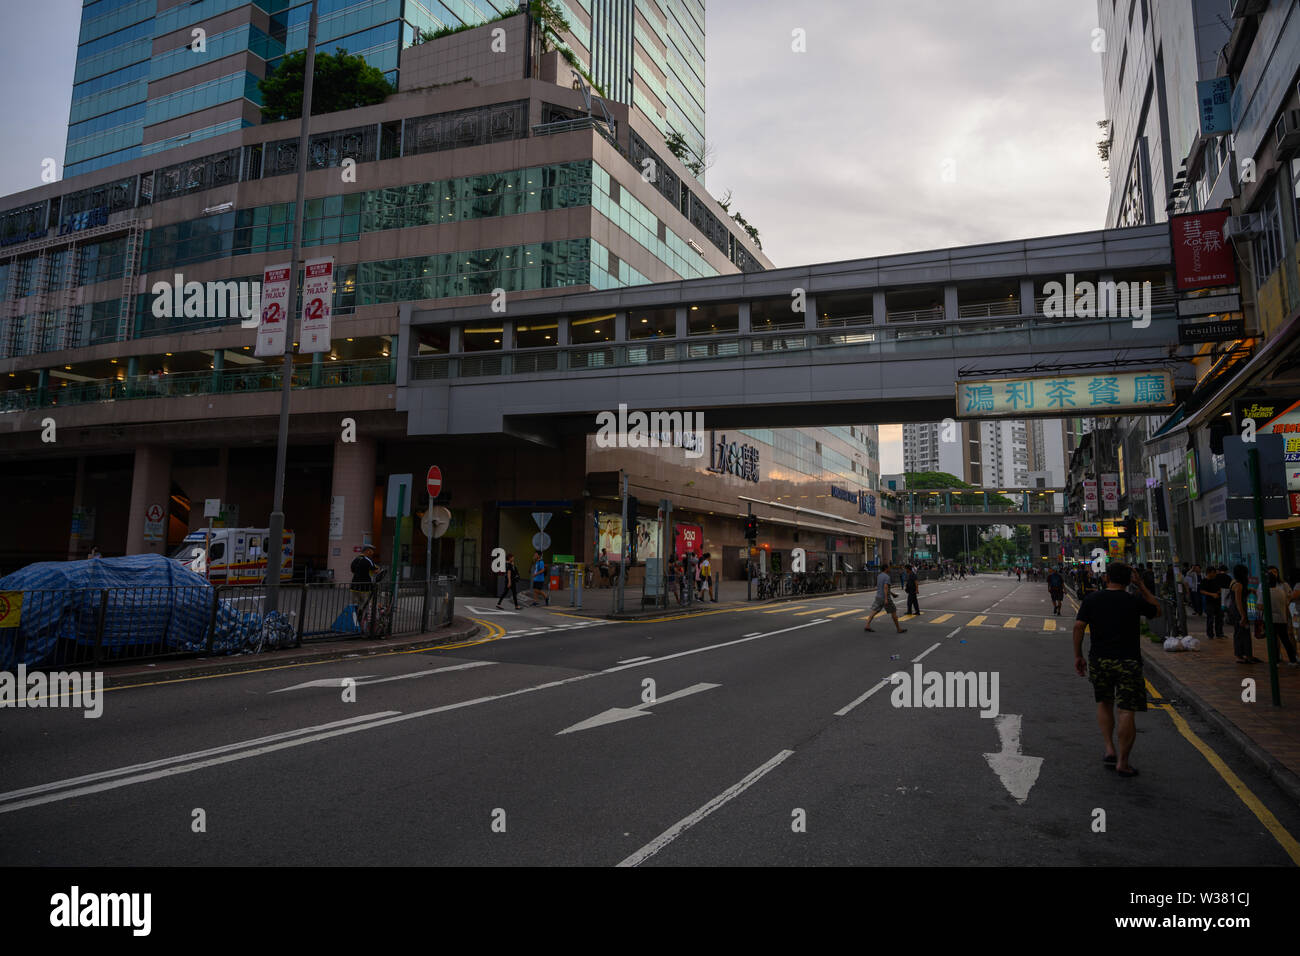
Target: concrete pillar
(683,325)
(742,319)
(317,368)
(353,482)
(75,543)
(620,326)
(810,315)
(218,366)
(878,310)
(151,484)
(1026,296)
(950,303)
(562,329)
(507,335)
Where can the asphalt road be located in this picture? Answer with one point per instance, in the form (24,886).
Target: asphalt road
(765,743)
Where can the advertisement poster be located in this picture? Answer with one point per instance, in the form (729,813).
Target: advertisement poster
(610,537)
(1110,492)
(275,314)
(317,297)
(1089,495)
(648,534)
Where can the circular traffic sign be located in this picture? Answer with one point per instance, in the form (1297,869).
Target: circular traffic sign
(154,513)
(542,541)
(434,481)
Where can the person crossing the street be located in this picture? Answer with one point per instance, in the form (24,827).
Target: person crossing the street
(884,600)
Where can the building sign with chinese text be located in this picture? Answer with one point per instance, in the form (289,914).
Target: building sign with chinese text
(733,458)
(1214,98)
(1202,258)
(1065,394)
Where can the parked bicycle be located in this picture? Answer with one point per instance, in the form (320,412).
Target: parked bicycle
(376,616)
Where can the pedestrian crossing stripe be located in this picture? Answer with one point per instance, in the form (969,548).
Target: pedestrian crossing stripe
(782,610)
(852,610)
(1012,622)
(1049,625)
(941,618)
(977,620)
(907,617)
(816,610)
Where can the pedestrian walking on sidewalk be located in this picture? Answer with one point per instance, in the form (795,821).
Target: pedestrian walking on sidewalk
(1111,618)
(706,580)
(910,586)
(1211,589)
(1192,579)
(1278,593)
(1235,615)
(884,600)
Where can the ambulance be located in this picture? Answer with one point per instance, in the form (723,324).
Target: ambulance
(236,555)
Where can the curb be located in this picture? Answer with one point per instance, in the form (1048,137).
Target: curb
(331,650)
(1286,779)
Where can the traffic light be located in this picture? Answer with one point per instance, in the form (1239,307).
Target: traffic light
(751,528)
(1129,528)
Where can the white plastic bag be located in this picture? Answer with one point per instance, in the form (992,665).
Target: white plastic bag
(1173,644)
(1190,643)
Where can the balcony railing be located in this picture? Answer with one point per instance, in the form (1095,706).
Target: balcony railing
(185,384)
(1013,332)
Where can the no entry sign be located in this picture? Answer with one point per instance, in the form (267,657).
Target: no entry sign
(434,481)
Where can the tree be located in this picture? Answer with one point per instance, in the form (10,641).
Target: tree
(341,82)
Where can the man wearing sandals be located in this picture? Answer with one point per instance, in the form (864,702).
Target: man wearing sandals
(884,600)
(1112,618)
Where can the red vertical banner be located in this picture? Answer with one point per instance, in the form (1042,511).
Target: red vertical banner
(1202,256)
(317,298)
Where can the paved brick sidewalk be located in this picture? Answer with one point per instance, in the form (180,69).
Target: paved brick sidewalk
(1210,679)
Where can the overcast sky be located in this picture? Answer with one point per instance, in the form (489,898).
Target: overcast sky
(904,126)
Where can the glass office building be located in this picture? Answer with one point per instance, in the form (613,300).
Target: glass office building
(152,75)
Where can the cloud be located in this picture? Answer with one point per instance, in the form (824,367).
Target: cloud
(905,126)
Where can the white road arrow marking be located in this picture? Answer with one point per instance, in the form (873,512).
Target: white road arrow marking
(1017,772)
(365,680)
(615,714)
(328,682)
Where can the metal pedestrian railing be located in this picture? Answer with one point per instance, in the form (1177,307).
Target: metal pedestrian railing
(61,627)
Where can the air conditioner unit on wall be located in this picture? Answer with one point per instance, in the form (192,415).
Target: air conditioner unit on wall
(1287,131)
(1243,227)
(1248,8)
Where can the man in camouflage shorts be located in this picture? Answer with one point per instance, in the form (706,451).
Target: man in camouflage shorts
(1112,619)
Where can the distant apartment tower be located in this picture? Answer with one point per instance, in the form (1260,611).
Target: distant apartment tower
(924,449)
(152,75)
(1154,53)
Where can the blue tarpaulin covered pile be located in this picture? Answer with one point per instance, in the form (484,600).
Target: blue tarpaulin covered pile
(154,605)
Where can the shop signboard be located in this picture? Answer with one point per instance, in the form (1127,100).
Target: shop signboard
(1202,257)
(688,537)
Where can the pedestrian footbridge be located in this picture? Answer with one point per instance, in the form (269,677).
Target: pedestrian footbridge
(864,341)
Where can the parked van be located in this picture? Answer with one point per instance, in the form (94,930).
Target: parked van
(237,555)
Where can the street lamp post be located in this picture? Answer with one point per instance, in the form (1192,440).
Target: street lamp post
(274,564)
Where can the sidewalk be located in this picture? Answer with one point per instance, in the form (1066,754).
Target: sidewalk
(1210,680)
(148,672)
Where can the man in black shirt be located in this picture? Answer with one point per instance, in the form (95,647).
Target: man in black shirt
(1215,581)
(362,567)
(1112,618)
(910,586)
(1056,588)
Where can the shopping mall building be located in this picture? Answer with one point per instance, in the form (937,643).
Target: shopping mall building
(486,177)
